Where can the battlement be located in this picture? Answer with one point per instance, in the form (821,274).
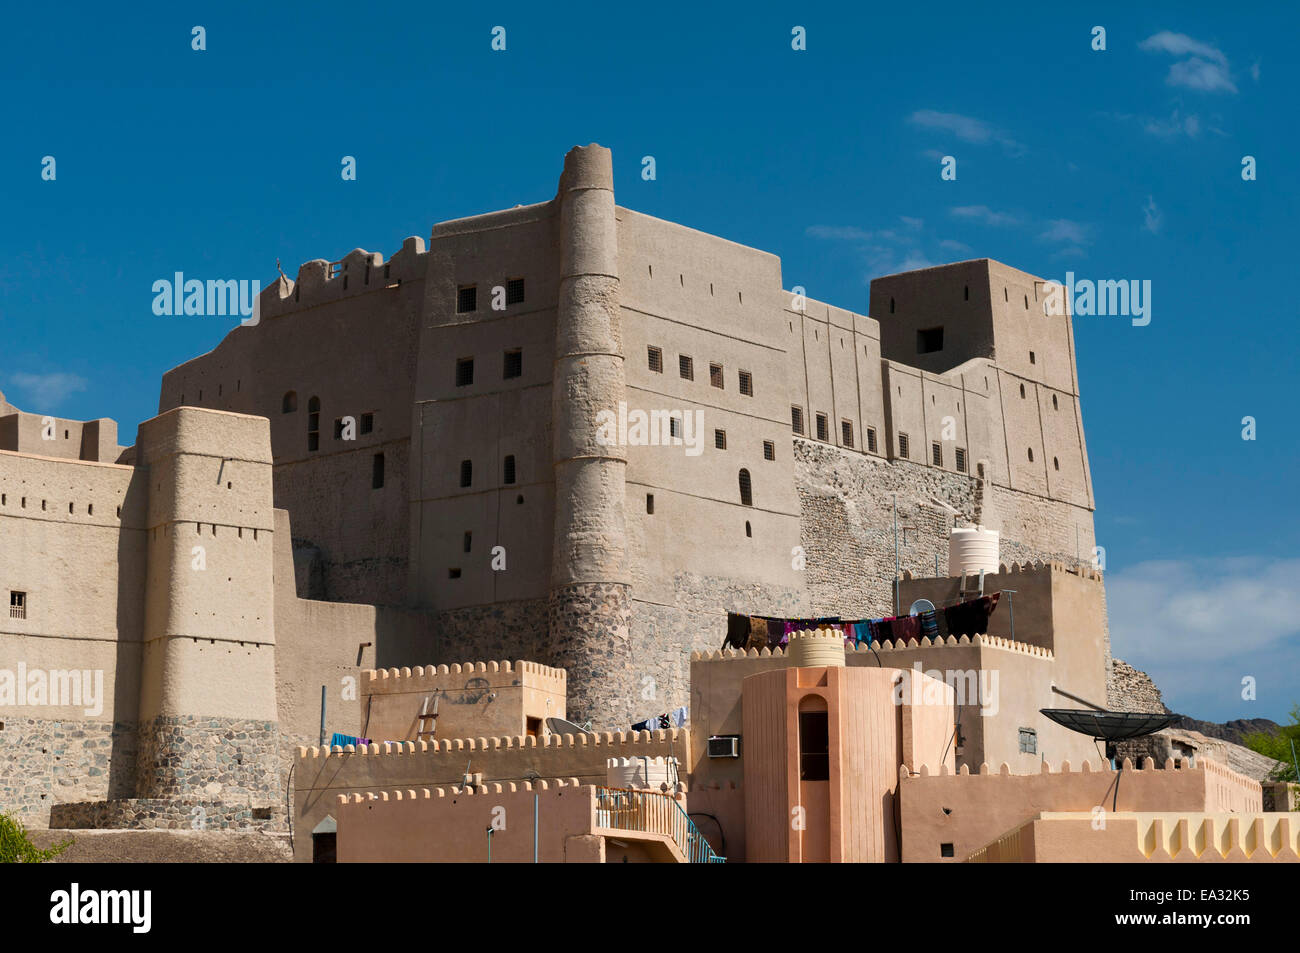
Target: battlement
(320,281)
(659,739)
(988,641)
(1087,767)
(1034,567)
(509,787)
(438,677)
(1143,835)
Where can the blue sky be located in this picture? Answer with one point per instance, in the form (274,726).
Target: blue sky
(1123,163)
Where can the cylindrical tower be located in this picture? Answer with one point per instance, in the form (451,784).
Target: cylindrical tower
(590,595)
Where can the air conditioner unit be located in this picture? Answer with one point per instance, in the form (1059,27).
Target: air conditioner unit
(724,746)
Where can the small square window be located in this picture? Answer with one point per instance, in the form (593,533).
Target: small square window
(796,420)
(1032,360)
(367,423)
(929,340)
(769,450)
(715,375)
(686,366)
(823,427)
(453,573)
(515,291)
(650,504)
(936,453)
(746,384)
(514,364)
(656,360)
(465,372)
(508,469)
(1028,741)
(720,439)
(945,850)
(903,445)
(466,472)
(674,426)
(377,472)
(961,459)
(871,439)
(466,299)
(17,604)
(846,433)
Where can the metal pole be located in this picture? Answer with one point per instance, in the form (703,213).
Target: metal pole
(895,508)
(322,716)
(1011,609)
(536,802)
(1296,764)
(489,833)
(936,565)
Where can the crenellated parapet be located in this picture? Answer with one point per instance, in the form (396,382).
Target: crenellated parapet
(320,281)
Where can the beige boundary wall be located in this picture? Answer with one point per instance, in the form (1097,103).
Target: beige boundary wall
(1129,837)
(969,810)
(321,775)
(450,825)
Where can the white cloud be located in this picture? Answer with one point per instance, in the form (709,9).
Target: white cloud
(911,222)
(838,232)
(1206,66)
(965,128)
(46,391)
(1064,230)
(949,244)
(1254,71)
(1198,74)
(1180,44)
(1176,125)
(1199,626)
(985,215)
(1152,217)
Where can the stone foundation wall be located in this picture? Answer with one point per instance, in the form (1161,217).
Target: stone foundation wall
(46,763)
(169,814)
(196,757)
(589,634)
(847,524)
(663,636)
(1128,689)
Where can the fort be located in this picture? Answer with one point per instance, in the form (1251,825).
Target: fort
(245,562)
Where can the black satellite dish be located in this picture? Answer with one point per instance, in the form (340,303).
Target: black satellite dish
(1110,727)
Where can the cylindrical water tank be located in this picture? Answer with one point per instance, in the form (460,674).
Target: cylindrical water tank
(816,648)
(971,549)
(631,772)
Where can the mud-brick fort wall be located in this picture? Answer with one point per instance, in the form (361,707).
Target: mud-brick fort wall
(959,396)
(72,541)
(340,341)
(151,586)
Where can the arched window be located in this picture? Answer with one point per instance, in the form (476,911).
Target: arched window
(1031,454)
(313,424)
(749,531)
(746,489)
(289,403)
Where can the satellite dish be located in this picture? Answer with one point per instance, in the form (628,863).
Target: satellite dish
(921,605)
(560,726)
(1108,726)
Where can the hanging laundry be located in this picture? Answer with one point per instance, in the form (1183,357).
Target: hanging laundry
(930,624)
(738,627)
(972,616)
(757,633)
(678,717)
(342,741)
(644,725)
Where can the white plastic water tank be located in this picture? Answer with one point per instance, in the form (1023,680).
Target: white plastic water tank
(631,772)
(971,549)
